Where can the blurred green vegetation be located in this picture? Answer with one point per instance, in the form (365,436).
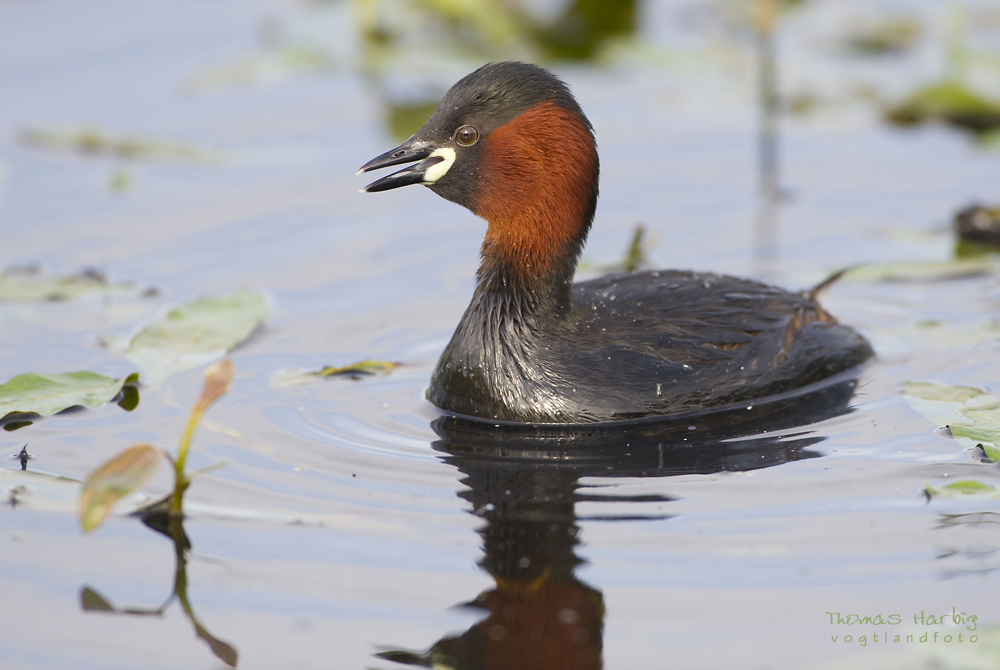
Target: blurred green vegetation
(406,118)
(878,37)
(354,371)
(29,284)
(950,102)
(584,26)
(493,28)
(92,141)
(480,30)
(977,231)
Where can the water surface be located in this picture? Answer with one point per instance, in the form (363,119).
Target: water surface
(343,523)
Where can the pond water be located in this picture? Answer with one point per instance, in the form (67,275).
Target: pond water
(348,520)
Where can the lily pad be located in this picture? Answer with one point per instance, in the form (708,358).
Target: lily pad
(968,412)
(881,37)
(115,479)
(940,392)
(354,371)
(31,285)
(980,225)
(196,333)
(968,488)
(984,427)
(91,141)
(950,102)
(991,451)
(41,394)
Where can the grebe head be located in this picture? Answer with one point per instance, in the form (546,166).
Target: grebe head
(510,143)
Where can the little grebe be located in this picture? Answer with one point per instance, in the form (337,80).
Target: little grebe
(510,143)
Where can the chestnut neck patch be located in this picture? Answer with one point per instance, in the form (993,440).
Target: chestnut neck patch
(539,176)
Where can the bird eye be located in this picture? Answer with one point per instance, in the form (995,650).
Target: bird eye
(467,136)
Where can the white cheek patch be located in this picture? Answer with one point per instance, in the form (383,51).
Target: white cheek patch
(435,172)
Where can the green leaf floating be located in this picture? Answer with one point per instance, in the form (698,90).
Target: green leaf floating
(115,479)
(985,430)
(196,333)
(949,101)
(34,393)
(940,392)
(33,286)
(968,412)
(354,371)
(92,601)
(968,488)
(94,142)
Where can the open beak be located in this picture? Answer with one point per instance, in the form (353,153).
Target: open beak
(409,151)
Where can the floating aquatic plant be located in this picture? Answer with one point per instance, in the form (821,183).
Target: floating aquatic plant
(949,102)
(113,480)
(194,334)
(354,371)
(977,229)
(34,394)
(967,488)
(92,141)
(968,412)
(128,470)
(30,284)
(883,36)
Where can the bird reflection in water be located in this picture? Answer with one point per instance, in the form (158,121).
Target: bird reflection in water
(524,483)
